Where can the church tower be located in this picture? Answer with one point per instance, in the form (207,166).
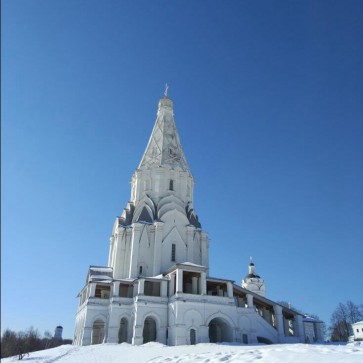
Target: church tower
(252,281)
(156,285)
(159,227)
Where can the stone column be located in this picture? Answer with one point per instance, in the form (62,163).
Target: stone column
(111,251)
(190,234)
(159,228)
(299,328)
(92,289)
(172,284)
(250,301)
(286,326)
(180,338)
(112,325)
(229,289)
(179,280)
(135,241)
(140,288)
(164,288)
(194,285)
(137,338)
(205,247)
(279,321)
(203,336)
(87,334)
(116,288)
(203,283)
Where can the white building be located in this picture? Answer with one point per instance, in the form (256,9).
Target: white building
(156,286)
(358,331)
(314,329)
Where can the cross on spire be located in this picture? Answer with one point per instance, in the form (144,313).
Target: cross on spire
(166,90)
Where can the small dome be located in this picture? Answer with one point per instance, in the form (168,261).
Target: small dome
(252,264)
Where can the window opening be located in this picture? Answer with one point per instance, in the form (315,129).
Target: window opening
(173,252)
(171,184)
(245,339)
(192,337)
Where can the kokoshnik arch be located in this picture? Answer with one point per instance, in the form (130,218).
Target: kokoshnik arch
(156,286)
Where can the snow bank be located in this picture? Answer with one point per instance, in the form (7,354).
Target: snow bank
(212,353)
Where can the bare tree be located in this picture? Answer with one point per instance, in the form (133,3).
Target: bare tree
(22,343)
(342,319)
(9,343)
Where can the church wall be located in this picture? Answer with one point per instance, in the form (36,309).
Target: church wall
(121,252)
(155,182)
(155,308)
(92,313)
(174,233)
(146,251)
(175,320)
(118,311)
(196,248)
(198,314)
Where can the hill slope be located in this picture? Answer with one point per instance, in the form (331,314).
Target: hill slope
(155,353)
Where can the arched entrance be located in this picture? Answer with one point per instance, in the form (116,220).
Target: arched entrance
(98,332)
(219,331)
(122,333)
(149,332)
(193,337)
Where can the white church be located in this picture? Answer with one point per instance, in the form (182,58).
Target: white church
(156,286)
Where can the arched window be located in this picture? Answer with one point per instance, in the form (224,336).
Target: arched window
(140,270)
(122,333)
(98,332)
(149,331)
(171,184)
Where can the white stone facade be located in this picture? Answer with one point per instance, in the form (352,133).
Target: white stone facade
(156,286)
(358,330)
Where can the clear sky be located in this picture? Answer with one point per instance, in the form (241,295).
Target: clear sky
(268,100)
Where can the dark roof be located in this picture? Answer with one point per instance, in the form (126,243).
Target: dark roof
(193,218)
(145,216)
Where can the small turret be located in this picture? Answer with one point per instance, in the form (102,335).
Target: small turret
(252,281)
(58,332)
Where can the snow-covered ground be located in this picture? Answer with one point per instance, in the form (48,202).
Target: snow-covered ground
(211,353)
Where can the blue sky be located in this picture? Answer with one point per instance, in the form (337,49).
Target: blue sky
(268,100)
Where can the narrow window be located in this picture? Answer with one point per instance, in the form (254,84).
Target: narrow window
(173,252)
(192,337)
(171,184)
(245,339)
(140,270)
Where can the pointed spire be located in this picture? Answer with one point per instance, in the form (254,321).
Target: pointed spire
(164,147)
